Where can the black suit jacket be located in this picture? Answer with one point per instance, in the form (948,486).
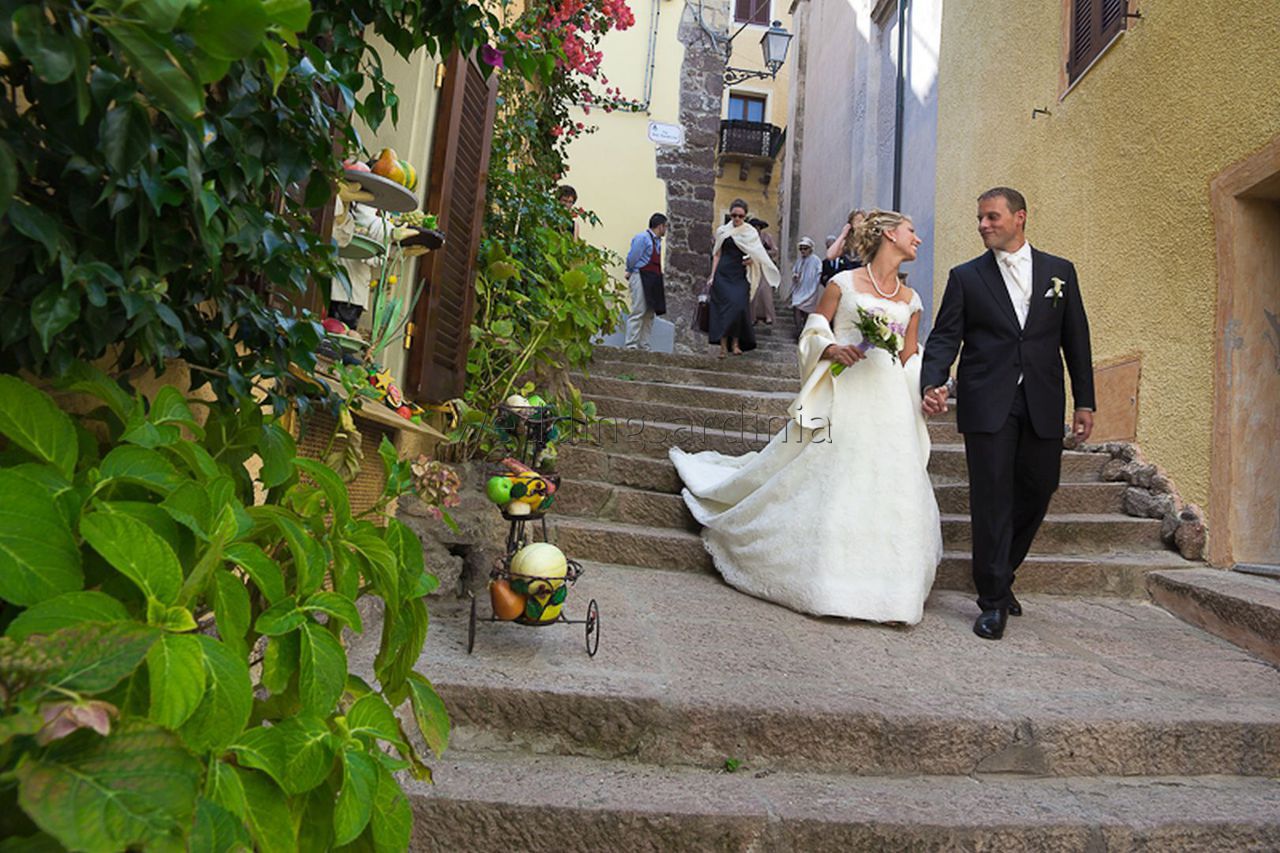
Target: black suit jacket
(976,312)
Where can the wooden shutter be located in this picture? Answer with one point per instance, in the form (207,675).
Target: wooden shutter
(751,12)
(1094,23)
(437,366)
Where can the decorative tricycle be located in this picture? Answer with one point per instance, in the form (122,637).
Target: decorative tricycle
(530,588)
(529,585)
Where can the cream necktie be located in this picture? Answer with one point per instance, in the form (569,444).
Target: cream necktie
(1024,297)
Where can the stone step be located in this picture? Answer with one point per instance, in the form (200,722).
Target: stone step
(607,502)
(668,375)
(614,463)
(680,548)
(508,802)
(752,363)
(655,438)
(751,413)
(601,540)
(604,390)
(583,462)
(1096,575)
(1244,609)
(691,672)
(665,508)
(1096,498)
(1073,533)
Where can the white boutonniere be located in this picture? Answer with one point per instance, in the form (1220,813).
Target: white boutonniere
(1055,292)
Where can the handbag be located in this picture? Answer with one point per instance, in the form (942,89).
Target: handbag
(702,315)
(702,310)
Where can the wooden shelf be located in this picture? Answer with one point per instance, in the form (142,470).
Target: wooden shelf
(376,412)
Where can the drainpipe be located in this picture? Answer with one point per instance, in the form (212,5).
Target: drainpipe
(899,103)
(652,59)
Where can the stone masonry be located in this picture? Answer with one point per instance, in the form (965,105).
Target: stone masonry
(689,172)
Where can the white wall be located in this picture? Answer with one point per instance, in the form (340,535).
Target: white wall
(844,110)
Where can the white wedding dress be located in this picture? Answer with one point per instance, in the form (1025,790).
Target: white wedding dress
(836,516)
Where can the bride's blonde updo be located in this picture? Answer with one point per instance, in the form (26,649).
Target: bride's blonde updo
(867,237)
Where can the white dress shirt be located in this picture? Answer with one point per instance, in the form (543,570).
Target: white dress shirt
(1015,269)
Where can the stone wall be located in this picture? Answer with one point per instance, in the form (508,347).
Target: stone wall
(689,172)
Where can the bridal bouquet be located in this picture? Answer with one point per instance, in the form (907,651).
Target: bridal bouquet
(877,331)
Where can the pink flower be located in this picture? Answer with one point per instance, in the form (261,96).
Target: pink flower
(490,55)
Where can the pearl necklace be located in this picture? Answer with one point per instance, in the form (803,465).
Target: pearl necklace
(876,285)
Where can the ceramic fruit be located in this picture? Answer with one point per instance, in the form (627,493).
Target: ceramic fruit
(535,400)
(517,401)
(541,566)
(334,326)
(410,175)
(387,166)
(498,490)
(507,603)
(381,382)
(404,412)
(355,166)
(545,606)
(518,508)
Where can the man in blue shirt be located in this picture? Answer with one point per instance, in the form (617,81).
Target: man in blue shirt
(644,276)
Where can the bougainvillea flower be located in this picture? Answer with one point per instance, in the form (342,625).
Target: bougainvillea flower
(490,55)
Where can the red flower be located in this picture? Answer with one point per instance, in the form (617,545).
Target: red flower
(490,55)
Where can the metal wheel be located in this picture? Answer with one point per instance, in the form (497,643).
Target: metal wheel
(593,628)
(471,626)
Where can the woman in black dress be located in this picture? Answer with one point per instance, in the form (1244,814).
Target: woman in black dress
(738,247)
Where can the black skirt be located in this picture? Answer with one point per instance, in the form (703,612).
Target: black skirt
(730,301)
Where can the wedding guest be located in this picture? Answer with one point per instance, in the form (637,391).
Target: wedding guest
(841,254)
(762,303)
(739,263)
(644,276)
(805,287)
(568,196)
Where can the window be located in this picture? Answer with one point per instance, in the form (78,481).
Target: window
(751,12)
(746,107)
(1094,23)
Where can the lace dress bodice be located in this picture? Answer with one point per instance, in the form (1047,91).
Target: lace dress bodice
(845,326)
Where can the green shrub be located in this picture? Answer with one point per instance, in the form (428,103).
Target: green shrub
(172,673)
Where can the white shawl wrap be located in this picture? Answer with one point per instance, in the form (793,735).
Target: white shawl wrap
(748,240)
(811,408)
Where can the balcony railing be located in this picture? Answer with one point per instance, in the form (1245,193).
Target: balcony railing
(752,138)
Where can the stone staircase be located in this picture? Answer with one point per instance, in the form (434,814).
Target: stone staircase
(710,720)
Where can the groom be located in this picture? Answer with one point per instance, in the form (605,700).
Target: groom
(1018,313)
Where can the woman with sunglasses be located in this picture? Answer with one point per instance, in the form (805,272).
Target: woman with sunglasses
(739,264)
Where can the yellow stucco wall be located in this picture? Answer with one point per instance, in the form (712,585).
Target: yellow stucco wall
(615,168)
(1117,179)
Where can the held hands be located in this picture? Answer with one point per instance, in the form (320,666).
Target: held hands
(935,400)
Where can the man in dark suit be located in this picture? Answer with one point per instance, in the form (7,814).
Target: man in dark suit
(1018,313)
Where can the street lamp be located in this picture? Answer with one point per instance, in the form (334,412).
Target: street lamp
(773,46)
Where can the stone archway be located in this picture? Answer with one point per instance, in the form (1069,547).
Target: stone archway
(1244,499)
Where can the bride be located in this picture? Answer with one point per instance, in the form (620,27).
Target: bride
(836,515)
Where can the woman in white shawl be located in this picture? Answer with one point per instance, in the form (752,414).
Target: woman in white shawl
(739,263)
(836,515)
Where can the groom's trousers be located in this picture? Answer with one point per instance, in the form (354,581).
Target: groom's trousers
(1013,474)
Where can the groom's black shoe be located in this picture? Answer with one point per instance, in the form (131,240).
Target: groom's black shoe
(1015,609)
(990,625)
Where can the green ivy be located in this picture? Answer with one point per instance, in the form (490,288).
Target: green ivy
(172,674)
